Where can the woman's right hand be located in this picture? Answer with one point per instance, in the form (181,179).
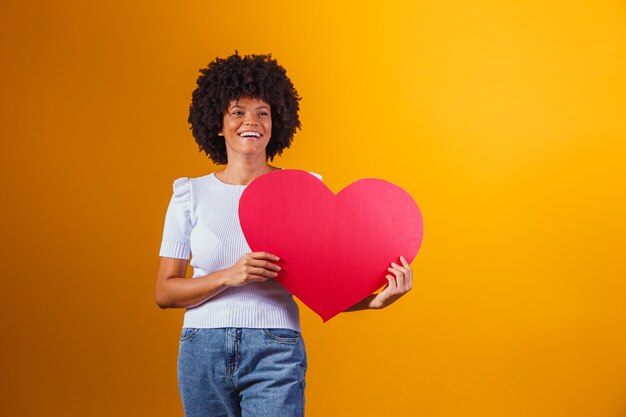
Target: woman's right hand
(252,267)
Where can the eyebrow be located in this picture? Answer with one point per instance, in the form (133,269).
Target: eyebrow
(257,107)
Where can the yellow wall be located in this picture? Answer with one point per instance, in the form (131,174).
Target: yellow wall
(505,120)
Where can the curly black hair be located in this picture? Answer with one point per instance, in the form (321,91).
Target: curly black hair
(254,76)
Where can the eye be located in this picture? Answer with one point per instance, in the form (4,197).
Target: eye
(237,112)
(264,113)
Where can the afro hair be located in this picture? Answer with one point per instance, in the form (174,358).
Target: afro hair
(254,76)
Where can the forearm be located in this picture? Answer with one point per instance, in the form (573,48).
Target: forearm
(180,292)
(365,304)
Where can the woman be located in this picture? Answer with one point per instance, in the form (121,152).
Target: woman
(241,351)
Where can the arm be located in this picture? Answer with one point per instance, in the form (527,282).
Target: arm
(173,290)
(399,284)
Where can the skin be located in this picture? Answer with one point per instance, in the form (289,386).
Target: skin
(246,161)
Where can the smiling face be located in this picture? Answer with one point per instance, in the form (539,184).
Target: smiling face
(247,127)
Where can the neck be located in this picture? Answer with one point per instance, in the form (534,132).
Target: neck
(242,171)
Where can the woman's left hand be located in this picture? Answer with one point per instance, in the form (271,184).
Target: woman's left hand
(399,284)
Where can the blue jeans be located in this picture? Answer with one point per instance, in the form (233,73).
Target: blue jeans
(241,372)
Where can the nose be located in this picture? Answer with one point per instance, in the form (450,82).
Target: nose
(250,120)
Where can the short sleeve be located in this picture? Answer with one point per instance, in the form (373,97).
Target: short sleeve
(177,227)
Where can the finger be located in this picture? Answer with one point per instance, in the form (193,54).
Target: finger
(387,284)
(261,272)
(264,255)
(409,276)
(265,265)
(392,282)
(257,278)
(395,271)
(401,283)
(401,268)
(408,273)
(254,280)
(401,279)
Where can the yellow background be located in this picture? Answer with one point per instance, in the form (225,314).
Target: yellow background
(505,120)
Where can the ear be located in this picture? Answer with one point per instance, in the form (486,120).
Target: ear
(220,133)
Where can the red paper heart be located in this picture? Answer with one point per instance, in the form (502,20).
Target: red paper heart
(334,249)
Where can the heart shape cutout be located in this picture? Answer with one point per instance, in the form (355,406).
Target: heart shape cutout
(334,249)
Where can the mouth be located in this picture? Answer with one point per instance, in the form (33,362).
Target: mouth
(250,135)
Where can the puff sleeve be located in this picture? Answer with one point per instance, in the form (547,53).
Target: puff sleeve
(178,225)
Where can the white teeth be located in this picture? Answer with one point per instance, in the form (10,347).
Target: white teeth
(244,134)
